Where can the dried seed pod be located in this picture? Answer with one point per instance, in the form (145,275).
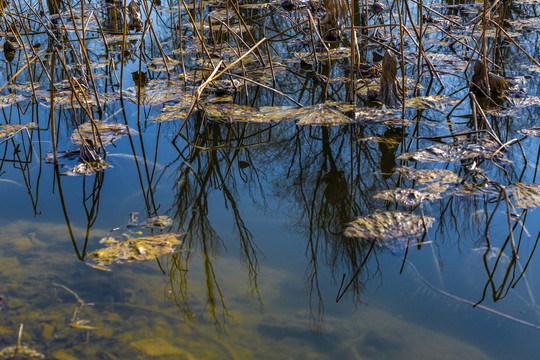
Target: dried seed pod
(391,90)
(335,18)
(135,19)
(485,83)
(378,7)
(9,47)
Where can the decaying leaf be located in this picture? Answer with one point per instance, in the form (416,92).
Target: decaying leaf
(88,169)
(534,131)
(160,221)
(435,102)
(158,92)
(20,352)
(412,197)
(319,114)
(373,116)
(139,249)
(323,114)
(388,225)
(108,132)
(9,130)
(177,111)
(442,176)
(476,183)
(10,99)
(232,113)
(526,196)
(456,151)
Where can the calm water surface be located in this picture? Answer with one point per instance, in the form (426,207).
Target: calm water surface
(264,270)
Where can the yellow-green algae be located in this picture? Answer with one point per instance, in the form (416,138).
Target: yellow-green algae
(137,304)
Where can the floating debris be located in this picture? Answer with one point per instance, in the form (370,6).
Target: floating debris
(6,100)
(391,90)
(139,249)
(434,102)
(373,116)
(88,169)
(320,114)
(526,196)
(9,130)
(534,131)
(177,111)
(486,83)
(412,197)
(442,176)
(158,221)
(105,132)
(134,14)
(19,351)
(456,152)
(388,226)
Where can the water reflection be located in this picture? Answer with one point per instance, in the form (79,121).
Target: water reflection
(221,181)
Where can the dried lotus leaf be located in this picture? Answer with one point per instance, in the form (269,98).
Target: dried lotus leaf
(10,130)
(108,132)
(412,197)
(526,196)
(388,226)
(442,176)
(456,152)
(138,249)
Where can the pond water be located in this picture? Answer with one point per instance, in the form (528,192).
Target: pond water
(262,193)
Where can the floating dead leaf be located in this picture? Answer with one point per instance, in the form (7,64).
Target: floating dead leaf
(115,39)
(26,87)
(435,102)
(332,54)
(139,249)
(158,64)
(158,221)
(324,114)
(412,197)
(177,111)
(521,24)
(9,130)
(67,99)
(446,62)
(158,92)
(534,131)
(455,152)
(526,196)
(373,116)
(442,176)
(513,105)
(319,114)
(89,169)
(388,227)
(476,183)
(10,99)
(108,132)
(232,113)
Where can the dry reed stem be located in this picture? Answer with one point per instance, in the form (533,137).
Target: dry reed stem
(18,72)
